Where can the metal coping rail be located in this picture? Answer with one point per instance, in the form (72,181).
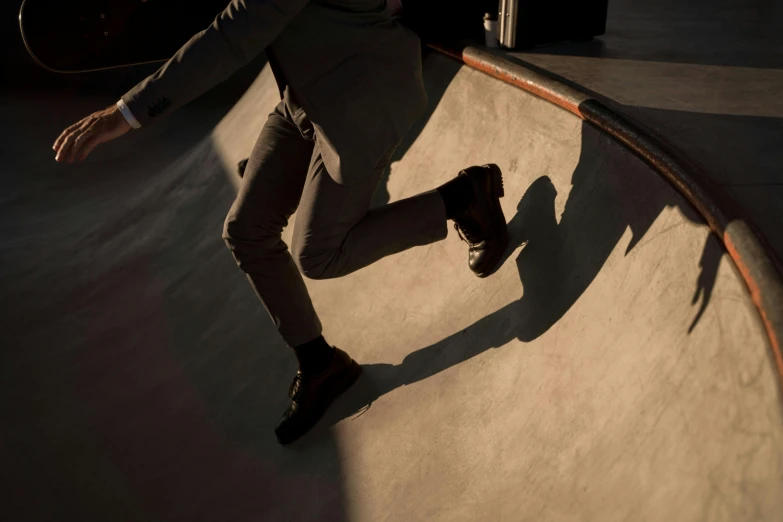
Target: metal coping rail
(746,247)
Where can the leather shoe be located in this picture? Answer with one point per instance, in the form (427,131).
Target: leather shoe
(482,224)
(311,395)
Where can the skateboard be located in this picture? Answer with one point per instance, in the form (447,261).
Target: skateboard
(92,35)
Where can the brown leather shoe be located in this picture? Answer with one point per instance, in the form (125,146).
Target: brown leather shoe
(311,395)
(482,225)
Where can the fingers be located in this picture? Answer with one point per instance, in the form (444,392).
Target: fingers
(85,140)
(73,143)
(69,146)
(65,147)
(61,138)
(64,152)
(78,141)
(84,148)
(65,142)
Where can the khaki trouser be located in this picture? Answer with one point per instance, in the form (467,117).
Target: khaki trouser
(336,232)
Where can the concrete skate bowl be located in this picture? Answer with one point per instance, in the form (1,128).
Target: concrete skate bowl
(616,367)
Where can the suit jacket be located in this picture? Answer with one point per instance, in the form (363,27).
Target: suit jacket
(355,72)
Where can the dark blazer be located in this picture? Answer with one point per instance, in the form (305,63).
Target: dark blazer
(354,70)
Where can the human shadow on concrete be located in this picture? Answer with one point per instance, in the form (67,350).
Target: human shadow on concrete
(740,154)
(737,156)
(558,262)
(142,379)
(435,85)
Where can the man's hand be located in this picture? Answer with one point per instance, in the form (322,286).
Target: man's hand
(78,140)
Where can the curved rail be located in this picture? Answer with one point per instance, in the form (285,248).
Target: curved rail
(746,247)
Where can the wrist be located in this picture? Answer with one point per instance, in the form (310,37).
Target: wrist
(126,113)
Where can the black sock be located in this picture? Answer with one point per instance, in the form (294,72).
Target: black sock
(457,194)
(314,356)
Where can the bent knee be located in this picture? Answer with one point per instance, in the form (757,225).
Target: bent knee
(241,225)
(314,264)
(234,231)
(245,237)
(312,268)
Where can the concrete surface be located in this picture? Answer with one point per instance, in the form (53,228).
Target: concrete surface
(583,381)
(708,74)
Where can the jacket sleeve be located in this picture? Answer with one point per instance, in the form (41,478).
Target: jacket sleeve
(238,34)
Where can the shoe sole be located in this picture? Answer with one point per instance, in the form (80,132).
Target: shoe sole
(496,191)
(352,374)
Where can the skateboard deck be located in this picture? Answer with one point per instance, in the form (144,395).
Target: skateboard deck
(91,35)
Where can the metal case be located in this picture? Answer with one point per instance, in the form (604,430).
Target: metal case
(508,18)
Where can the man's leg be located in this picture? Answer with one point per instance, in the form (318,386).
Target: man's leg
(271,188)
(272,185)
(337,233)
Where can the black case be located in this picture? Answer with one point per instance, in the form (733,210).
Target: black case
(444,21)
(539,22)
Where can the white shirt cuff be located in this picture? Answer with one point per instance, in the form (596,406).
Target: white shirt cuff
(129,117)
